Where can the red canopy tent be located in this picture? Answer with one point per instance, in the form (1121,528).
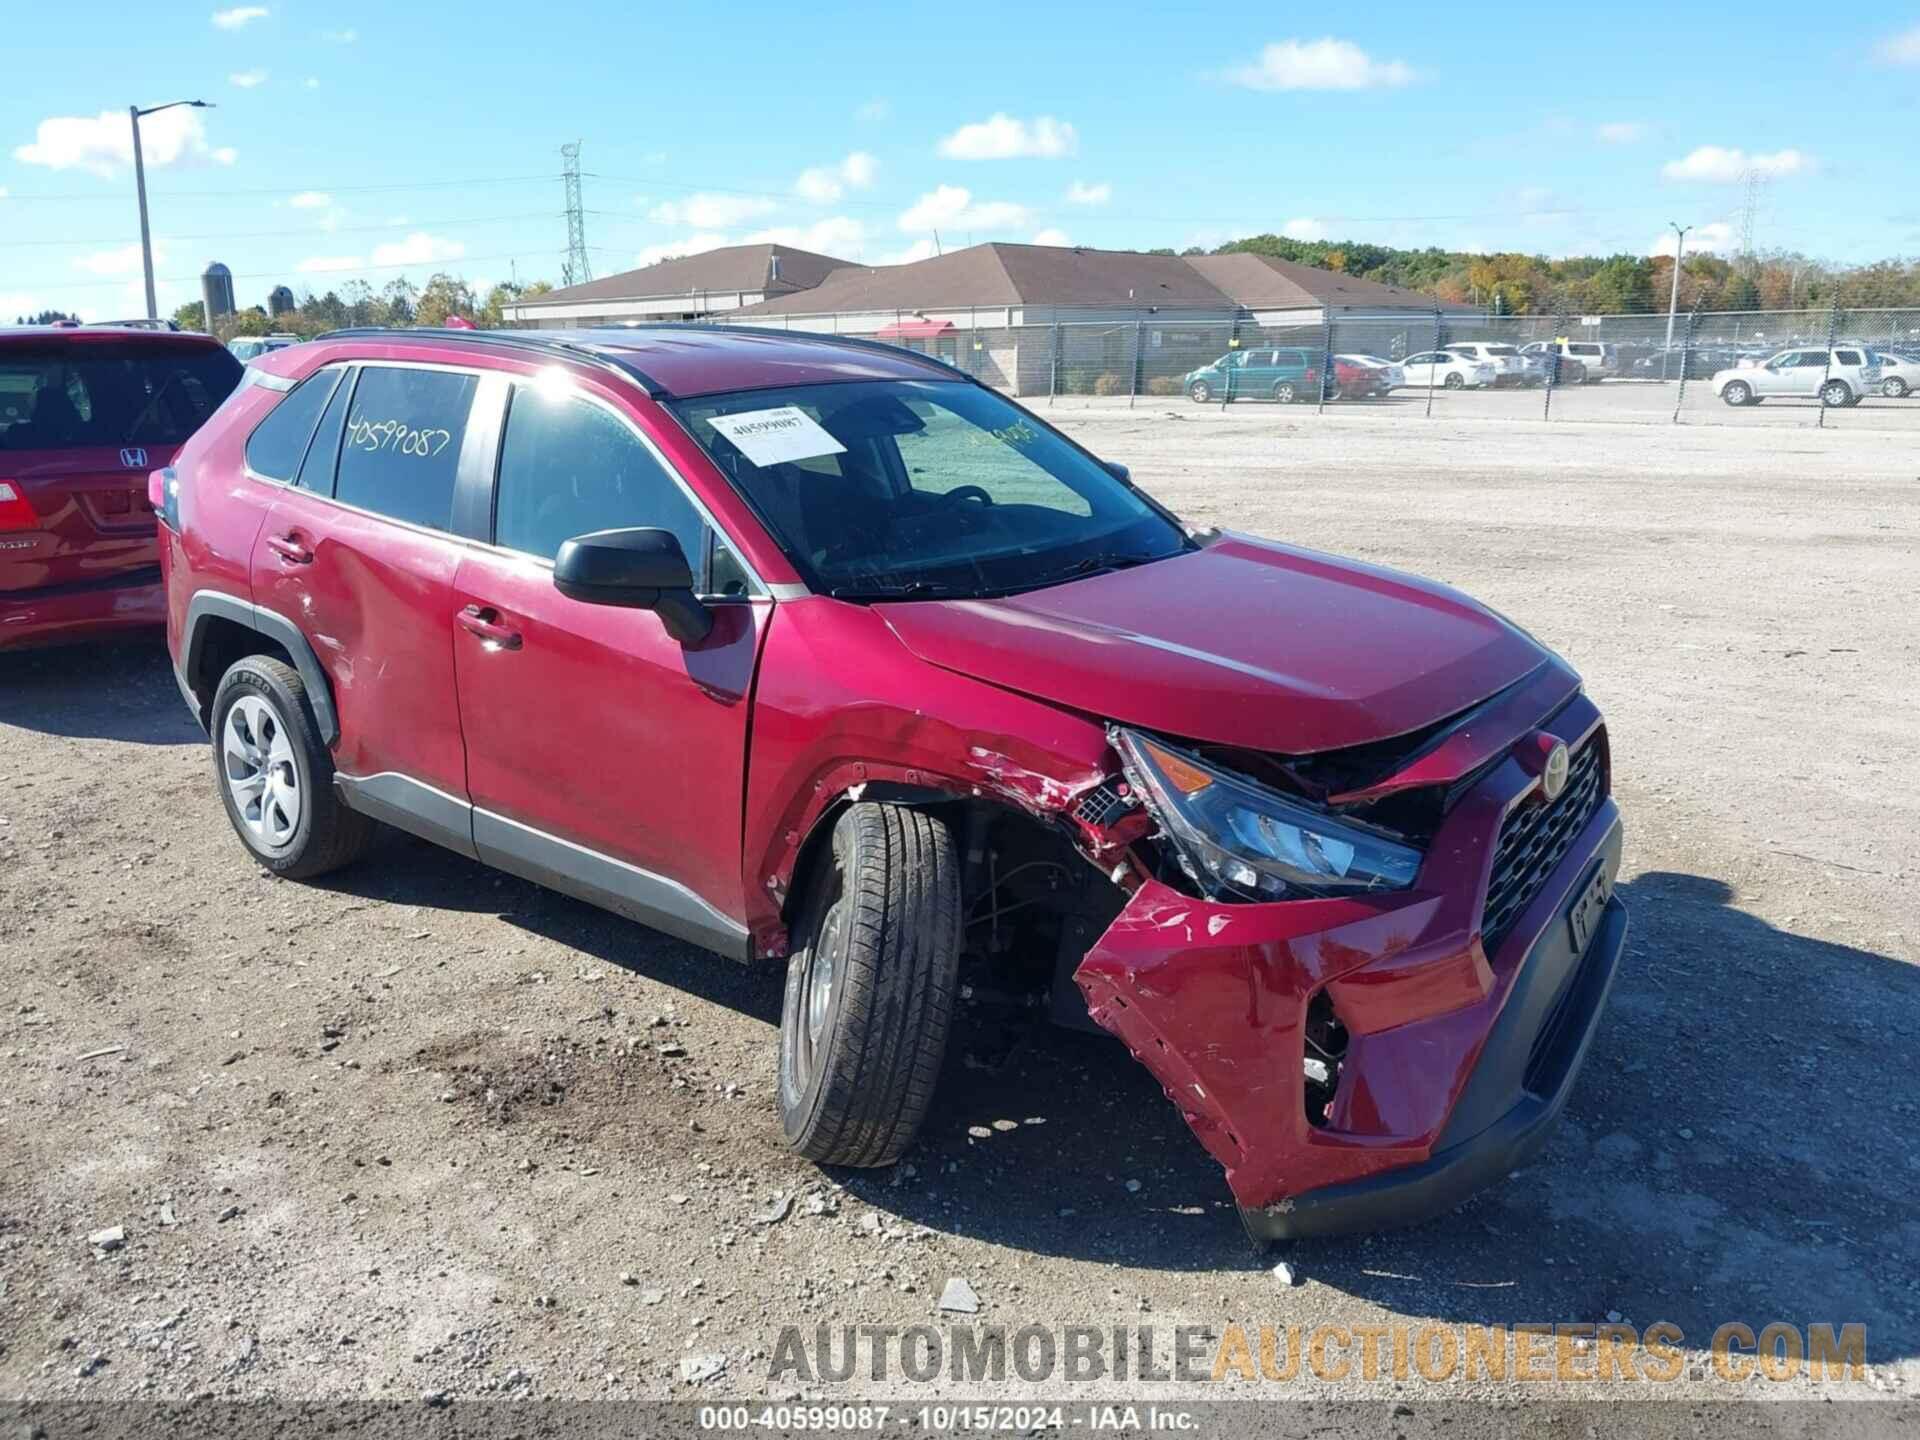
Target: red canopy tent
(914,330)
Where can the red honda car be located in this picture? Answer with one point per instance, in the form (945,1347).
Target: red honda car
(809,649)
(85,415)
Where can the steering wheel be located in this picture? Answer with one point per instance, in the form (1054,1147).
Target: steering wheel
(966,492)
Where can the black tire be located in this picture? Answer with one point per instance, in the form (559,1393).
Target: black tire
(882,905)
(1285,393)
(1200,392)
(1835,394)
(1737,393)
(1455,381)
(327,834)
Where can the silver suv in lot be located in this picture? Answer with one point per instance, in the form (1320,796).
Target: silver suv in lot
(1601,361)
(1842,376)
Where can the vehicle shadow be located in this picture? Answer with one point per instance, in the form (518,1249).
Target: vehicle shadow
(407,871)
(107,690)
(1740,1146)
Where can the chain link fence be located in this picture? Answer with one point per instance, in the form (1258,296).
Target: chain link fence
(1628,368)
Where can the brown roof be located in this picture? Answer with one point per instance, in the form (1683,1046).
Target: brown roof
(1262,282)
(1003,274)
(730,268)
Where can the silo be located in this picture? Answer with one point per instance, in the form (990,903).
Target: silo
(216,292)
(279,301)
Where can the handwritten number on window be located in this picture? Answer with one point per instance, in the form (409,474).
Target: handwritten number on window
(396,437)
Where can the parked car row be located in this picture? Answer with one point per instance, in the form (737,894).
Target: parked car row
(1843,376)
(842,633)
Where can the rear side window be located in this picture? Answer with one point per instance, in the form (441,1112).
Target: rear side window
(316,471)
(402,443)
(1847,357)
(279,442)
(569,467)
(112,393)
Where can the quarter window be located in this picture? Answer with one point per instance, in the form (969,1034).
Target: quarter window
(402,443)
(316,471)
(279,443)
(569,467)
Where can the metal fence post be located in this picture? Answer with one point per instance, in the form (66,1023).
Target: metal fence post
(1326,357)
(1686,359)
(1826,371)
(1431,367)
(1053,366)
(1553,363)
(1139,359)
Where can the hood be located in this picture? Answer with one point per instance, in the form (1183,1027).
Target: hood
(1243,643)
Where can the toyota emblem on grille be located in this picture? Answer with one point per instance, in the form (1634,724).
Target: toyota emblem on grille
(134,459)
(1553,775)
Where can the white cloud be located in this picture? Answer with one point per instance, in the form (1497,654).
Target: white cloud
(247,79)
(3,192)
(312,82)
(1305,228)
(839,235)
(1717,237)
(225,155)
(121,260)
(1326,64)
(711,212)
(324,264)
(311,200)
(1901,49)
(419,248)
(1052,235)
(103,144)
(673,249)
(824,184)
(953,207)
(921,249)
(1083,193)
(1004,138)
(240,15)
(1621,132)
(1721,165)
(874,111)
(340,37)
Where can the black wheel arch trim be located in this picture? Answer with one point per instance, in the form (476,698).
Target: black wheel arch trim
(209,605)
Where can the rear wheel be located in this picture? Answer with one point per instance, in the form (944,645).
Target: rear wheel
(870,987)
(1455,381)
(1284,392)
(1836,393)
(276,778)
(1738,392)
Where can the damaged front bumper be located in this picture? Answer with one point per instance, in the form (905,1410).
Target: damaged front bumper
(1457,1061)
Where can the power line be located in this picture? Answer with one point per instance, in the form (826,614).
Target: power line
(305,234)
(399,186)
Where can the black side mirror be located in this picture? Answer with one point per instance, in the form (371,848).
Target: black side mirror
(640,569)
(1118,471)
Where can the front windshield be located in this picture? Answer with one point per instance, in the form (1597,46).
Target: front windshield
(899,489)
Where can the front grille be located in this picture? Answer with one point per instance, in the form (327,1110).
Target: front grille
(1533,840)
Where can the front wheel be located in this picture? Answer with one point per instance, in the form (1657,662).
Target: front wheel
(1836,394)
(870,986)
(1738,392)
(274,775)
(1200,392)
(1893,387)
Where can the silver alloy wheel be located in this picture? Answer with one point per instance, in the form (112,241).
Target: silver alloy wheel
(257,760)
(1893,387)
(1736,393)
(822,969)
(1283,393)
(1836,393)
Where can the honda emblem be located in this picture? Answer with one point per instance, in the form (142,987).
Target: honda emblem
(134,459)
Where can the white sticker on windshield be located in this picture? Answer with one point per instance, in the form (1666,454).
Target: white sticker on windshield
(775,437)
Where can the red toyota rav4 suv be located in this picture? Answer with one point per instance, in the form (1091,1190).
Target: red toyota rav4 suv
(808,648)
(85,414)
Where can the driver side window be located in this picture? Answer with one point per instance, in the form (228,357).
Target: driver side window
(570,467)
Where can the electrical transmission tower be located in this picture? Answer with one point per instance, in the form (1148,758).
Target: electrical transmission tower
(1756,183)
(576,269)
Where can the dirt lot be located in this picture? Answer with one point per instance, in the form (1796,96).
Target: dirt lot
(424,1128)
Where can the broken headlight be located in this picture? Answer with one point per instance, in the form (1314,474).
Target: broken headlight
(1245,841)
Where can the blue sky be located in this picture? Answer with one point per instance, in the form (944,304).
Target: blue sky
(361,140)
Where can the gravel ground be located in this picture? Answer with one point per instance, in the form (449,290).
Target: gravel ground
(423,1128)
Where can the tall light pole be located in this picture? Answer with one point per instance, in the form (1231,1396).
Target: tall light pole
(1673,301)
(134,112)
